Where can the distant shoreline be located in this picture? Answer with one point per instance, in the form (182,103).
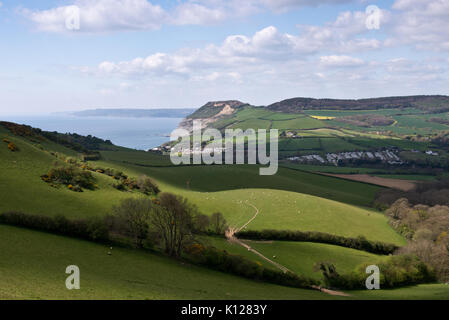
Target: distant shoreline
(136,113)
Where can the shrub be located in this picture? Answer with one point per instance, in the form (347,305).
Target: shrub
(222,261)
(90,229)
(147,185)
(71,176)
(12,147)
(359,243)
(396,271)
(119,186)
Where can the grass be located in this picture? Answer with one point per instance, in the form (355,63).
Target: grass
(299,144)
(33,267)
(23,190)
(342,113)
(252,124)
(231,177)
(138,157)
(33,264)
(288,210)
(420,292)
(298,123)
(417,177)
(300,257)
(338,145)
(330,169)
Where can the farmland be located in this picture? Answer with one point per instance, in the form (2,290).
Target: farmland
(295,198)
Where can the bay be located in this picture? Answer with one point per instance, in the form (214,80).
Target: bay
(135,133)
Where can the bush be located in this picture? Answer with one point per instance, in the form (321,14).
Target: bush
(119,186)
(239,265)
(88,229)
(12,146)
(397,271)
(71,176)
(131,219)
(359,243)
(147,185)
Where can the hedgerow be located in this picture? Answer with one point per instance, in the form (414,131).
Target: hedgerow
(359,243)
(221,260)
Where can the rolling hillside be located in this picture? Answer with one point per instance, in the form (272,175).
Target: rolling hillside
(290,200)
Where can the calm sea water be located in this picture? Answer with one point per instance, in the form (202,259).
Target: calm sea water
(135,133)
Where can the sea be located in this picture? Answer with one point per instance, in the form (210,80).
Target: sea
(134,133)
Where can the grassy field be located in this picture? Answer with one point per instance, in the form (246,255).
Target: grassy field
(32,266)
(416,177)
(298,123)
(293,211)
(329,169)
(23,190)
(300,257)
(231,177)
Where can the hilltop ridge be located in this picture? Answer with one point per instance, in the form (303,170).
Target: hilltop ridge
(429,103)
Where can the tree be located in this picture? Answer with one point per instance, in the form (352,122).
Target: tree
(218,223)
(173,219)
(131,218)
(201,222)
(147,185)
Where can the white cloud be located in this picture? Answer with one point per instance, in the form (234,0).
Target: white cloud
(120,15)
(101,15)
(421,23)
(340,61)
(280,5)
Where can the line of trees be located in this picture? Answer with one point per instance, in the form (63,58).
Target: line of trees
(359,243)
(396,271)
(427,229)
(169,221)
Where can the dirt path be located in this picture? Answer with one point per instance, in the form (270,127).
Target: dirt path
(250,220)
(331,292)
(230,236)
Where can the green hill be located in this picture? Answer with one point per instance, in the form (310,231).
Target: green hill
(292,199)
(33,267)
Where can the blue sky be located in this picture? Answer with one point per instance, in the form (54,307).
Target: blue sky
(145,53)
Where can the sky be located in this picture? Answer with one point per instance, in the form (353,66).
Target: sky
(58,56)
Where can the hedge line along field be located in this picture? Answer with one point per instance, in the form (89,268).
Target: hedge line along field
(32,265)
(299,257)
(278,209)
(23,190)
(231,177)
(34,262)
(282,210)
